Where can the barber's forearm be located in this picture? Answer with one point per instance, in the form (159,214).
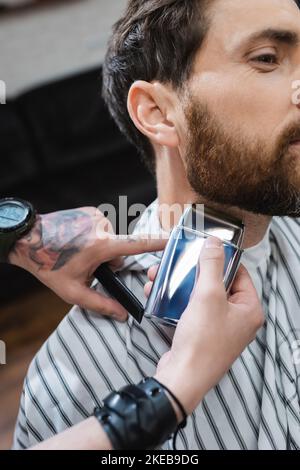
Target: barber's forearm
(184,388)
(87,435)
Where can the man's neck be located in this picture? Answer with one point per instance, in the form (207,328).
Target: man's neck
(173,188)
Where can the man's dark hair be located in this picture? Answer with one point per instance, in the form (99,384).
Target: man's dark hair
(154,40)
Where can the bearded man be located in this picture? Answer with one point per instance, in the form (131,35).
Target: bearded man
(206,90)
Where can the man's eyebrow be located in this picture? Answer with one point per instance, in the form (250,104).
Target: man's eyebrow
(283,36)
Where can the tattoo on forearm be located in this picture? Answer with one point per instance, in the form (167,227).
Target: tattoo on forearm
(56,238)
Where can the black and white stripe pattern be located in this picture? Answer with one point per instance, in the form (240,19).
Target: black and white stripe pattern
(255,406)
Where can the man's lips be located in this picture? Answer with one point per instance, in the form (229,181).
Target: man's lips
(295,142)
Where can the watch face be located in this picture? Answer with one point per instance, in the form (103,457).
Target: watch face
(13,214)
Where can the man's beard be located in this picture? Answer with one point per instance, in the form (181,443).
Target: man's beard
(228,169)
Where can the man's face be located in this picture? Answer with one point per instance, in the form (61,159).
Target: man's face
(240,118)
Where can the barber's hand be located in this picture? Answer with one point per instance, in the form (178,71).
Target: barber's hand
(64,249)
(213,331)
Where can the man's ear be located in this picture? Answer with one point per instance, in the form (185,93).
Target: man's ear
(151,109)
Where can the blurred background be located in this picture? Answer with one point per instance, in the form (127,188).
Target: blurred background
(59,149)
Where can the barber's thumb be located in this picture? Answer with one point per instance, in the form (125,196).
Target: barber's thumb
(211,262)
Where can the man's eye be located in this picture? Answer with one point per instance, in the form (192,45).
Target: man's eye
(269,59)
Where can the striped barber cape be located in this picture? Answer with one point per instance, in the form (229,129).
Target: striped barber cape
(256,404)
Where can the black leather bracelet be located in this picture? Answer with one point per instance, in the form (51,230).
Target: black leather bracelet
(138,416)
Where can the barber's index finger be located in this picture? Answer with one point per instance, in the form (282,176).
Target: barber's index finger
(133,245)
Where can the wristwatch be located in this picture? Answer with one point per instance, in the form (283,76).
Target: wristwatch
(17,218)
